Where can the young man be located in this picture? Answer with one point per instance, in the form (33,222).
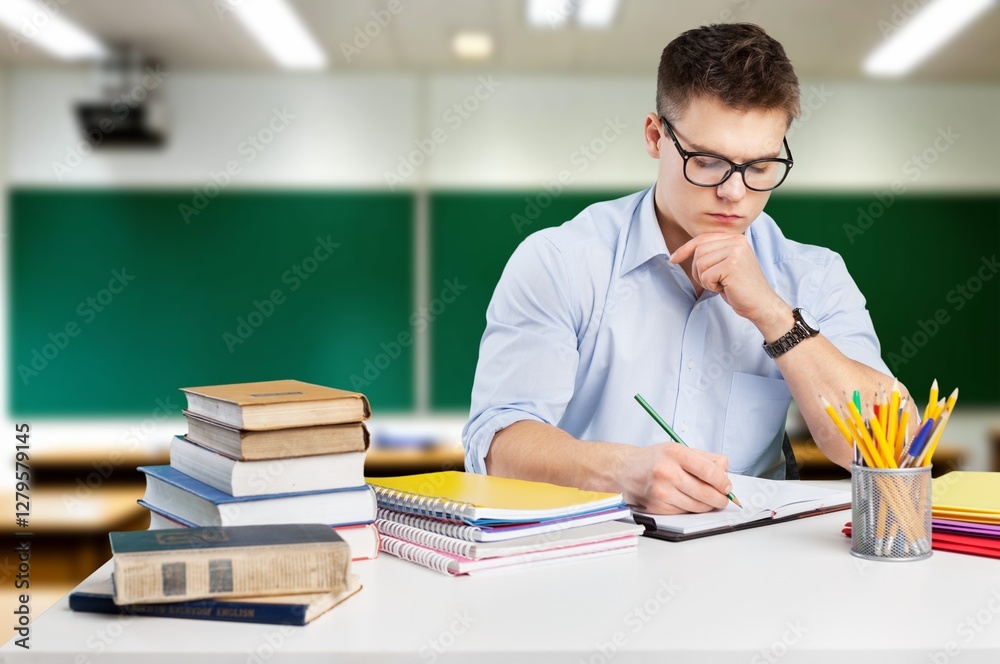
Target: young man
(671,293)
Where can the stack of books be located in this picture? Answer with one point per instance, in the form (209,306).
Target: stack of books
(965,513)
(462,523)
(266,453)
(287,574)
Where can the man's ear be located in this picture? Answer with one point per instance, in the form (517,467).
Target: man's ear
(652,135)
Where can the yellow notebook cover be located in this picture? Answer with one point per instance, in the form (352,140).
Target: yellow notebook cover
(470,496)
(968,492)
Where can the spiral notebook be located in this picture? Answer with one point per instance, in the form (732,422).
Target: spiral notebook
(482,500)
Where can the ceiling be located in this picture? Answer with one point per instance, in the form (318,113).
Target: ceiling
(824,39)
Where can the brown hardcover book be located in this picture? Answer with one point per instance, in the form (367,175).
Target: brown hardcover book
(276,404)
(181,564)
(277,443)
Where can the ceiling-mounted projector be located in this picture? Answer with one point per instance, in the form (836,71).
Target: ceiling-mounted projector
(130,111)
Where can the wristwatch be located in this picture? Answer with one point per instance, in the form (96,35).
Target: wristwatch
(805,327)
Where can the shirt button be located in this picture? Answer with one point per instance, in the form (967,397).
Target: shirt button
(690,364)
(684,427)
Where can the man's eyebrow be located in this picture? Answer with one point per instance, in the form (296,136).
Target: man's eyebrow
(695,147)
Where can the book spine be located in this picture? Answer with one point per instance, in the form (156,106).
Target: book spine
(245,612)
(456,530)
(213,574)
(416,554)
(424,538)
(412,503)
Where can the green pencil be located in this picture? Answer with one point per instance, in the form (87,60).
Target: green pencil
(674,436)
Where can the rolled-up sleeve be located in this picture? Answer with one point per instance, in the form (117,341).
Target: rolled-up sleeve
(528,356)
(843,317)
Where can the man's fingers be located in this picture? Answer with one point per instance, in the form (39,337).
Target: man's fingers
(707,471)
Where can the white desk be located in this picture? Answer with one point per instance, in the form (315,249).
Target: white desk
(786,593)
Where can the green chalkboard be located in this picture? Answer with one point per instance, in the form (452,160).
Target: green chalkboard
(908,262)
(472,236)
(920,260)
(116,302)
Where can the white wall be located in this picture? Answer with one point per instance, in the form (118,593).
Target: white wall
(349,131)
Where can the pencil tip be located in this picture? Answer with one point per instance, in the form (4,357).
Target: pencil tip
(738,503)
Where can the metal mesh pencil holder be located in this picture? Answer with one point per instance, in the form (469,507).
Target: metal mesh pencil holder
(891,513)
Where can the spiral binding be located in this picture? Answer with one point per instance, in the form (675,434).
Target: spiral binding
(424,538)
(416,554)
(448,529)
(437,508)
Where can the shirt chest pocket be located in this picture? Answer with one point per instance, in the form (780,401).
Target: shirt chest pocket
(755,422)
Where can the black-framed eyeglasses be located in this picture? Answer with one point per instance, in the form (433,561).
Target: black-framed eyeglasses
(705,169)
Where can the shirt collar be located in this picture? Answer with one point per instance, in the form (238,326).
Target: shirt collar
(645,240)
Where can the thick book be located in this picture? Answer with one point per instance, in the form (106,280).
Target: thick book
(598,532)
(764,502)
(500,533)
(483,500)
(171,491)
(260,478)
(452,565)
(98,597)
(362,538)
(276,404)
(182,564)
(247,445)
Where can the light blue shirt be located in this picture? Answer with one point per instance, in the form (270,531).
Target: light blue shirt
(589,313)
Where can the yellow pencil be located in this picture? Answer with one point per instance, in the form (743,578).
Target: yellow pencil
(863,432)
(925,458)
(839,423)
(883,411)
(904,423)
(870,459)
(931,401)
(883,444)
(890,434)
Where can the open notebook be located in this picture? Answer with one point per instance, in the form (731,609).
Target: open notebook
(764,502)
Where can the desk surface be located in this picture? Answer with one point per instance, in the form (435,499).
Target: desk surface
(789,592)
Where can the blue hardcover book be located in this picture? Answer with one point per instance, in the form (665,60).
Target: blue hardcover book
(173,492)
(98,597)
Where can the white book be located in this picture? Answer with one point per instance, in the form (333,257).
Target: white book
(171,491)
(453,565)
(571,536)
(500,532)
(266,477)
(764,501)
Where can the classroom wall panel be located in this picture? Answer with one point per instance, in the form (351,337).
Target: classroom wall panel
(116,302)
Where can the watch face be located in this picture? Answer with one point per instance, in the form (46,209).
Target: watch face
(808,320)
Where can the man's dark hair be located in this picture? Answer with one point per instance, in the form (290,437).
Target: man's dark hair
(736,63)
